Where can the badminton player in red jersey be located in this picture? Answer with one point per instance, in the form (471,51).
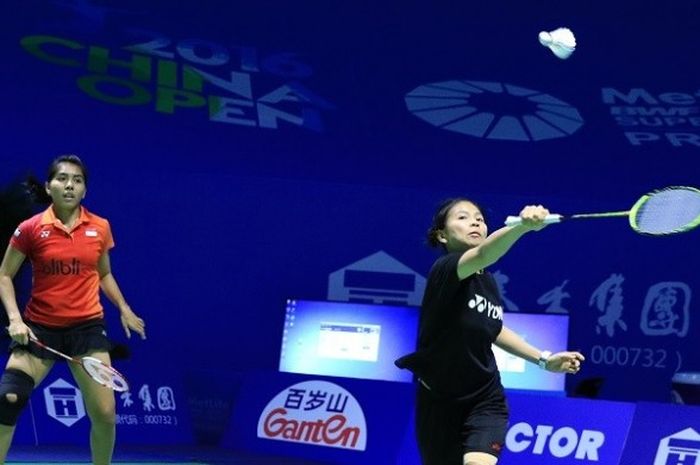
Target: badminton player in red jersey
(69,251)
(461,410)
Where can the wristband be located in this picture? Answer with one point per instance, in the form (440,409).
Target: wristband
(542,361)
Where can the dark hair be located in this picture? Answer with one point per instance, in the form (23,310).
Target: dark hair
(69,158)
(16,206)
(440,218)
(36,188)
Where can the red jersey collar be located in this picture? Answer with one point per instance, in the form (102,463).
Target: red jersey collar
(49,217)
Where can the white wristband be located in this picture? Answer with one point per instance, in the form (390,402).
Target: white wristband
(542,361)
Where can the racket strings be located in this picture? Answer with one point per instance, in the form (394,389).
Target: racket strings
(104,374)
(668,211)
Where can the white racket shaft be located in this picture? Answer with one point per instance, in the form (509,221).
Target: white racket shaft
(52,350)
(100,372)
(549,219)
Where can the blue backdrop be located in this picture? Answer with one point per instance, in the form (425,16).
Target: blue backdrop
(245,151)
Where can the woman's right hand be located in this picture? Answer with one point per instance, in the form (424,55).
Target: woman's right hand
(533,217)
(20,332)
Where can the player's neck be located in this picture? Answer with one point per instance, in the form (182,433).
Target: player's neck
(68,217)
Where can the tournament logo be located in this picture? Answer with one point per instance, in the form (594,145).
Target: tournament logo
(217,82)
(493,110)
(648,117)
(316,413)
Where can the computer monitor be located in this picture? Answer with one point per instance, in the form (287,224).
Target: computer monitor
(357,340)
(348,339)
(546,332)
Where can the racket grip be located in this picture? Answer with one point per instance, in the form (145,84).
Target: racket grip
(549,219)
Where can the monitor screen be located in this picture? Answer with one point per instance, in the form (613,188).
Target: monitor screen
(544,331)
(348,339)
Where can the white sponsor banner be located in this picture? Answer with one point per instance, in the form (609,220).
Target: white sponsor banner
(316,413)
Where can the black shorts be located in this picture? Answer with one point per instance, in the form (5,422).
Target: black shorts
(72,340)
(447,429)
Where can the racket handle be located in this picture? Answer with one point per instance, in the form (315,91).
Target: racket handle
(549,219)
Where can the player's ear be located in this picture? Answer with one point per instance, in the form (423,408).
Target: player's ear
(441,237)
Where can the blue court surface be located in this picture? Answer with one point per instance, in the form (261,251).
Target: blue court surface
(142,455)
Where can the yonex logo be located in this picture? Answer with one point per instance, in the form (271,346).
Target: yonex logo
(478,302)
(44,234)
(493,110)
(481,305)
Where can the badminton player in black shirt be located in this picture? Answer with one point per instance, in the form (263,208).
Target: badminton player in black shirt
(461,411)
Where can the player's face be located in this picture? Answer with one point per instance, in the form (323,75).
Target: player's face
(67,187)
(464,228)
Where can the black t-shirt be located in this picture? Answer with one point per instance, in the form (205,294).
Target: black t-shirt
(459,322)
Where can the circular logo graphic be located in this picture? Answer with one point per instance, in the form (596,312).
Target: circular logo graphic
(493,110)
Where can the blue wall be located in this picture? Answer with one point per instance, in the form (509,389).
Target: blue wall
(315,149)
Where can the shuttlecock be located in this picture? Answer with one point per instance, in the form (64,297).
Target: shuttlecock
(560,41)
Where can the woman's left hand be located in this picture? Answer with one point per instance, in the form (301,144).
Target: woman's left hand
(565,362)
(131,321)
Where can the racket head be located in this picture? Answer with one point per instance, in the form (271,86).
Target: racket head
(104,374)
(671,210)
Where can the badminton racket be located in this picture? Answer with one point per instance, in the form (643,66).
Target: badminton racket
(97,369)
(671,210)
